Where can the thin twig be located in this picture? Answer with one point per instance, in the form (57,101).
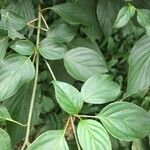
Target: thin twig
(48,8)
(31,104)
(30,25)
(33,21)
(34,87)
(11,120)
(66,126)
(44,21)
(86,116)
(34,57)
(48,66)
(77,117)
(50,70)
(75,135)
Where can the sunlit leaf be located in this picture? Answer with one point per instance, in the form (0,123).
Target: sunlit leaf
(68,97)
(100,89)
(82,63)
(5,140)
(125,121)
(53,140)
(92,135)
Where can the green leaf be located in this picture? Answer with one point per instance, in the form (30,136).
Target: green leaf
(93,136)
(107,11)
(61,74)
(18,106)
(68,97)
(53,140)
(47,104)
(15,71)
(143,17)
(147,28)
(5,140)
(82,63)
(72,13)
(139,70)
(1,3)
(13,34)
(4,114)
(141,4)
(51,49)
(125,121)
(100,89)
(124,16)
(10,18)
(23,47)
(3,45)
(93,30)
(61,33)
(27,9)
(85,42)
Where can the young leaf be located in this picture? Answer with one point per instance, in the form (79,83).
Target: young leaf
(3,45)
(4,114)
(23,47)
(5,140)
(15,70)
(93,136)
(82,63)
(100,89)
(139,70)
(68,97)
(124,16)
(72,13)
(53,140)
(52,50)
(125,121)
(61,33)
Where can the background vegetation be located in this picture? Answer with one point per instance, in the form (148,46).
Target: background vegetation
(57,54)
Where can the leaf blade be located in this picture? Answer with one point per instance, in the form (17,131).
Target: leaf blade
(139,72)
(92,135)
(5,140)
(23,47)
(15,70)
(52,50)
(3,45)
(125,120)
(72,13)
(82,63)
(4,114)
(68,97)
(100,89)
(51,139)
